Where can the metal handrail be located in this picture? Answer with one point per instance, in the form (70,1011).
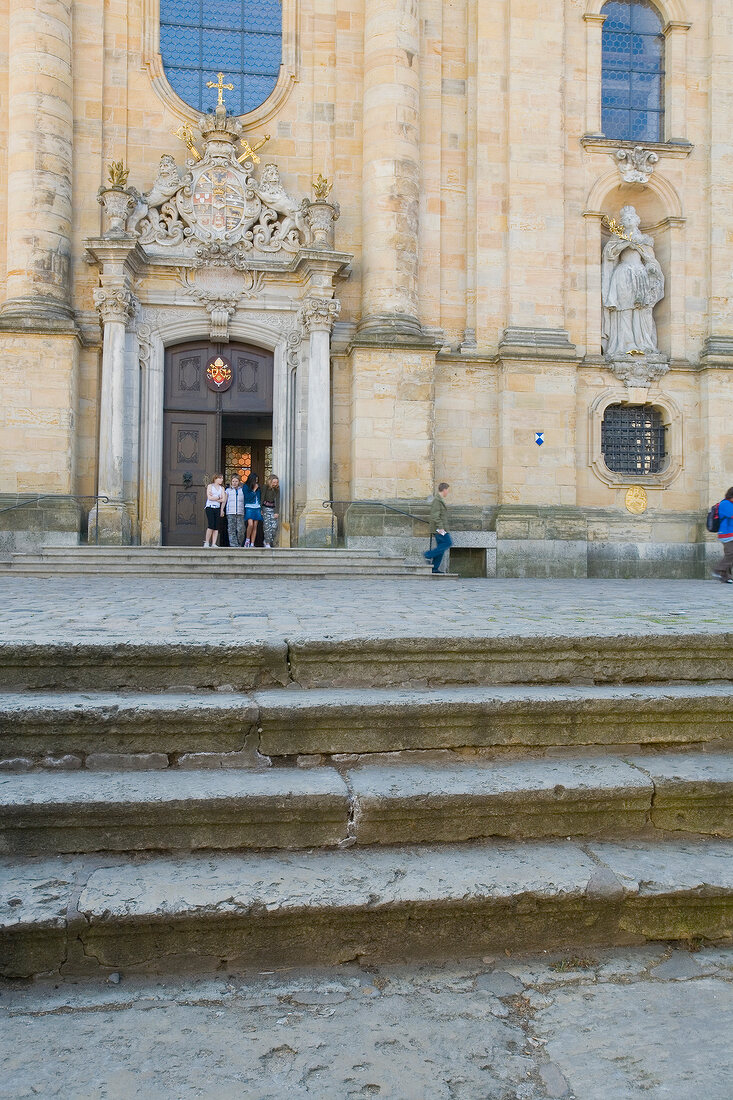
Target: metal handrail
(61,496)
(52,496)
(378,504)
(381,504)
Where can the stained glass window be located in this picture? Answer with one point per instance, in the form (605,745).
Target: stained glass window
(240,38)
(633,71)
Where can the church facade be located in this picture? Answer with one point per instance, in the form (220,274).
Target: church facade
(370,245)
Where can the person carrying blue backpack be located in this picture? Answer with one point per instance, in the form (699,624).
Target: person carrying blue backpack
(724,566)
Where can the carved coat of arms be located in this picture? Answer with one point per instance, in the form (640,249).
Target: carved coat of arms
(218,200)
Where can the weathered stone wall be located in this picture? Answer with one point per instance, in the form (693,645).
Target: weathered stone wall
(38,382)
(467,156)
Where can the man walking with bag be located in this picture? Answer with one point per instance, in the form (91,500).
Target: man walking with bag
(439,527)
(724,566)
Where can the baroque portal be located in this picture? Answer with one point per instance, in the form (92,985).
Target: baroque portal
(215,248)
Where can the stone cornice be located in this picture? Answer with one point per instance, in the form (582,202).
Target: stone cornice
(676,150)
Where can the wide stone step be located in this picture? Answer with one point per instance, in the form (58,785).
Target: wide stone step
(373,662)
(121,812)
(292,808)
(79,729)
(227,910)
(180,561)
(512,718)
(232,573)
(199,553)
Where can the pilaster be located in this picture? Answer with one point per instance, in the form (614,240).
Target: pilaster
(593,64)
(535,240)
(537,393)
(675,81)
(391,172)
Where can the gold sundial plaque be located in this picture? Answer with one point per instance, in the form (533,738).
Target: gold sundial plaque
(636,500)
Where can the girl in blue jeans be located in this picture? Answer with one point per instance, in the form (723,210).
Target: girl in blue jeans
(252,509)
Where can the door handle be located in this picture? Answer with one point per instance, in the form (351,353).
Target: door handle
(187,479)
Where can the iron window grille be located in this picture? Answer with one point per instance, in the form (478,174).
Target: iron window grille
(633,439)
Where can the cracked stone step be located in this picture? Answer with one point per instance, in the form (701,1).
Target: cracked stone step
(530,659)
(694,793)
(136,811)
(372,662)
(325,907)
(150,666)
(57,723)
(312,722)
(541,798)
(523,717)
(292,808)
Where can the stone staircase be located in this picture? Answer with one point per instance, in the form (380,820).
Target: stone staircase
(220,562)
(316,801)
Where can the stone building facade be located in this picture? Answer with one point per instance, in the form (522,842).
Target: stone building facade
(437,315)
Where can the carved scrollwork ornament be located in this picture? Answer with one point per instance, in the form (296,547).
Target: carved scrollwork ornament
(144,337)
(115,304)
(319,313)
(636,165)
(218,207)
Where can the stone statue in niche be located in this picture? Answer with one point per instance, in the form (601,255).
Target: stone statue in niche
(632,283)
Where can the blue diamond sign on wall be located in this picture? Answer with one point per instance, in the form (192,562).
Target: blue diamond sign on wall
(539,438)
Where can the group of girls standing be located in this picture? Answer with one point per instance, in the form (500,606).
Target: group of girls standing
(244,507)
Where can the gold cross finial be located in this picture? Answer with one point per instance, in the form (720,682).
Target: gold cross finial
(220,86)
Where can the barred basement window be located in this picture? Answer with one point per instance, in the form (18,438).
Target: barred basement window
(633,439)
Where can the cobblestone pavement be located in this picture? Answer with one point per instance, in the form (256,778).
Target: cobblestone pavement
(649,1022)
(181,609)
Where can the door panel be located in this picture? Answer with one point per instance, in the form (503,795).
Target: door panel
(185,378)
(192,427)
(189,460)
(251,389)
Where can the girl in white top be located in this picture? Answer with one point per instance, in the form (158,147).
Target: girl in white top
(214,508)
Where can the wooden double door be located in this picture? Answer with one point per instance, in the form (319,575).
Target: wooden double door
(211,422)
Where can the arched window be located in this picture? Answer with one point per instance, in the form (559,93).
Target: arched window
(241,38)
(633,439)
(633,71)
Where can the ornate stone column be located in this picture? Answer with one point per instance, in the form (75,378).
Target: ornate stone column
(318,315)
(116,306)
(391,171)
(40,137)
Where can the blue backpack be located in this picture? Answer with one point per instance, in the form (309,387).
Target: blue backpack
(713,521)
